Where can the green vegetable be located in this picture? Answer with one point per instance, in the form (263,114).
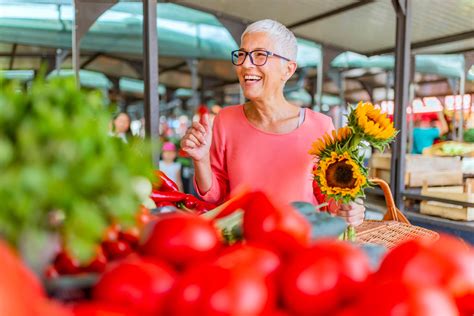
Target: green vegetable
(469,135)
(56,157)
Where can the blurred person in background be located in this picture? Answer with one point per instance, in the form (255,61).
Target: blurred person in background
(168,164)
(264,142)
(427,130)
(121,127)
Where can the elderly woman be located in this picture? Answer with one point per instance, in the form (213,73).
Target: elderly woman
(264,143)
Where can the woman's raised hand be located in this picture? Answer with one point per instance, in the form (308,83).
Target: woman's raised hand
(197,140)
(353,213)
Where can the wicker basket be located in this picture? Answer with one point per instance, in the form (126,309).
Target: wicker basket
(394,228)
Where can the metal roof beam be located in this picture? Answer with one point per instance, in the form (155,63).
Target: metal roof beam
(330,13)
(90,60)
(430,42)
(173,68)
(235,20)
(12,59)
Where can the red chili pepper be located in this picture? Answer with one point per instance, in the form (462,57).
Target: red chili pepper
(166,184)
(164,203)
(208,206)
(190,201)
(170,196)
(200,209)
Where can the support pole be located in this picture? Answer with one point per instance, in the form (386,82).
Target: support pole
(319,82)
(150,70)
(86,12)
(462,87)
(341,85)
(402,80)
(195,99)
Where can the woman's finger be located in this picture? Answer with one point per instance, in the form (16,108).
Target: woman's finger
(351,212)
(354,220)
(205,121)
(188,144)
(199,135)
(199,127)
(195,139)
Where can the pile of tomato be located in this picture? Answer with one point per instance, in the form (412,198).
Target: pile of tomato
(182,266)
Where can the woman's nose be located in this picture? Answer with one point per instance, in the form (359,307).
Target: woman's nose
(248,63)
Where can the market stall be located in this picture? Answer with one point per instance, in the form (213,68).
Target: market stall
(88,226)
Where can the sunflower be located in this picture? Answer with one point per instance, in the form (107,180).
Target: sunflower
(374,126)
(341,176)
(329,142)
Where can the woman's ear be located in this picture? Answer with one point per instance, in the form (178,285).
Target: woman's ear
(290,69)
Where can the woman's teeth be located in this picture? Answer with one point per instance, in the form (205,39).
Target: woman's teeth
(252,78)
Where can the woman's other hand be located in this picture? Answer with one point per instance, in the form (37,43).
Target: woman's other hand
(353,213)
(197,140)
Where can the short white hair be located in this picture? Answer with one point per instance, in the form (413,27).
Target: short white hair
(285,40)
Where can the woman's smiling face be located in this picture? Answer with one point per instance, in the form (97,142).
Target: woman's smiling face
(261,82)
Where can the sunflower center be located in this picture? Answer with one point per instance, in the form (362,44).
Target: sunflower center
(340,174)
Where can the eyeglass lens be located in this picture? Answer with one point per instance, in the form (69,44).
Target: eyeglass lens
(259,58)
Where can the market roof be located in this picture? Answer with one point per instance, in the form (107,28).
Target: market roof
(183,32)
(32,30)
(345,23)
(449,65)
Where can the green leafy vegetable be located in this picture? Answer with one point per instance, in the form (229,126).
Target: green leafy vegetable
(56,157)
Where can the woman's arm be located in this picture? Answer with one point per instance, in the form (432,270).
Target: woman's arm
(203,174)
(179,182)
(210,179)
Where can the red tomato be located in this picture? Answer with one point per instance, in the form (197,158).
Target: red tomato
(284,229)
(51,272)
(21,293)
(181,239)
(112,232)
(100,309)
(263,260)
(97,264)
(50,308)
(66,264)
(130,236)
(138,284)
(465,304)
(447,263)
(324,277)
(144,216)
(212,290)
(397,298)
(116,249)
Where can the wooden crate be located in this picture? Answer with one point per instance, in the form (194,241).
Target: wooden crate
(420,169)
(446,210)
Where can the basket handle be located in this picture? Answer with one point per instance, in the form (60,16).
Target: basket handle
(393,213)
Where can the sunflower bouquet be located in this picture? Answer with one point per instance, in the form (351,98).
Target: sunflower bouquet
(340,172)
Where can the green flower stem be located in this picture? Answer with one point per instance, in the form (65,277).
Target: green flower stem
(349,234)
(354,143)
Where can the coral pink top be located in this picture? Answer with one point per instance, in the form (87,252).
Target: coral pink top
(278,164)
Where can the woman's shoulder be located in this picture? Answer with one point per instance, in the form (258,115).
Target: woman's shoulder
(230,113)
(230,110)
(319,119)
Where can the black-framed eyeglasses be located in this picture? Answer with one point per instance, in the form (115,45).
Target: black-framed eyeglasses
(258,57)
